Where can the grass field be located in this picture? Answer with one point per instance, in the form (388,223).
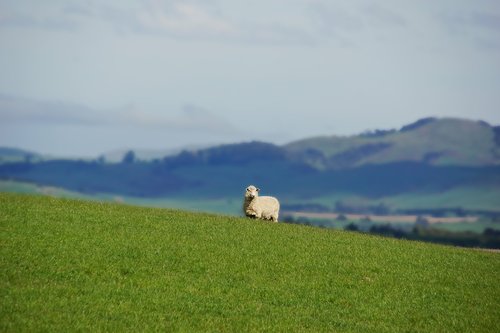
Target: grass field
(70,265)
(386,218)
(404,222)
(469,198)
(220,206)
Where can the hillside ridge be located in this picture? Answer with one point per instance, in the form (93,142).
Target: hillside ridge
(434,141)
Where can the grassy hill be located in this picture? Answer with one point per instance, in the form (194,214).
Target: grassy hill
(434,141)
(71,265)
(445,161)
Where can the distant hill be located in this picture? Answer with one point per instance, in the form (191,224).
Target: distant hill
(117,156)
(432,141)
(8,154)
(442,158)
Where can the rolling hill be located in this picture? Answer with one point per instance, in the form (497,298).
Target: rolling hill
(447,160)
(116,156)
(74,265)
(8,155)
(432,141)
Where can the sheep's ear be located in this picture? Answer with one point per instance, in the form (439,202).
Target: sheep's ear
(258,189)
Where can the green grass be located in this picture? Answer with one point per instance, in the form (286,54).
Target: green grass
(70,265)
(469,198)
(477,227)
(31,188)
(220,206)
(480,198)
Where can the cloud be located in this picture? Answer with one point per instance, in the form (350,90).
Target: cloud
(23,110)
(471,20)
(344,22)
(333,17)
(481,27)
(182,19)
(12,18)
(186,20)
(81,8)
(191,118)
(29,111)
(382,17)
(201,20)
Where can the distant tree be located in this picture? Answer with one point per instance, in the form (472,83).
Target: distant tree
(351,227)
(303,220)
(129,157)
(288,219)
(101,159)
(364,224)
(387,230)
(422,222)
(491,232)
(377,133)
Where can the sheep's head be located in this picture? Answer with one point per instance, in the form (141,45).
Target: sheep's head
(252,192)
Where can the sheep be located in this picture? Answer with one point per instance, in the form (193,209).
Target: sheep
(265,208)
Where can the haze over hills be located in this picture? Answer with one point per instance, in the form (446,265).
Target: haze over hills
(8,154)
(416,166)
(434,141)
(116,156)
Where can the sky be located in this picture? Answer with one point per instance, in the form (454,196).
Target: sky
(81,78)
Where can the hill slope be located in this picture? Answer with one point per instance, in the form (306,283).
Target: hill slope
(8,154)
(73,265)
(222,172)
(443,141)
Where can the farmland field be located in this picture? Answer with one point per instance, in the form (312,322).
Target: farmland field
(405,222)
(386,218)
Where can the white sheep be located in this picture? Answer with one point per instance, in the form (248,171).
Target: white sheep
(265,208)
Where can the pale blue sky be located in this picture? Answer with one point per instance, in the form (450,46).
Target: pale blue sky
(86,77)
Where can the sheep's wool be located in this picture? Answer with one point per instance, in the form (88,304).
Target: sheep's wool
(264,208)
